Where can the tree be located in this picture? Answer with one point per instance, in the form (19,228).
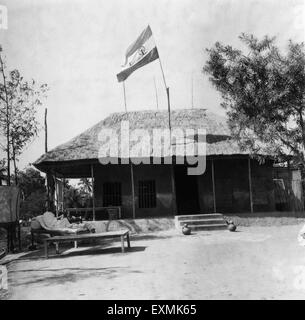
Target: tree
(263,91)
(33,192)
(2,171)
(85,190)
(30,180)
(72,197)
(19,100)
(85,185)
(80,196)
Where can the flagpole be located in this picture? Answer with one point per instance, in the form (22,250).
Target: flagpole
(131,166)
(192,91)
(167,94)
(170,138)
(162,71)
(135,47)
(156,92)
(124,90)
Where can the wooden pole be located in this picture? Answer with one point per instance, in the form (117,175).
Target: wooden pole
(167,94)
(56,194)
(290,198)
(46,150)
(174,207)
(163,76)
(250,185)
(213,184)
(156,93)
(192,91)
(124,91)
(131,167)
(93,195)
(169,113)
(133,192)
(7,122)
(170,127)
(62,193)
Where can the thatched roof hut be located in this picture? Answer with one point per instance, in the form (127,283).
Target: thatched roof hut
(231,181)
(73,158)
(85,147)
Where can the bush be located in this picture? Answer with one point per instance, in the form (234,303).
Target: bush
(34,205)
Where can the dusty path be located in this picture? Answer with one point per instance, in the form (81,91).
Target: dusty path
(254,263)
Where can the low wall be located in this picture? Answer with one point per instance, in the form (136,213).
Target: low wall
(135,225)
(275,218)
(242,219)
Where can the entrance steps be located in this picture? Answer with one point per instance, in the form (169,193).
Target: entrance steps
(203,222)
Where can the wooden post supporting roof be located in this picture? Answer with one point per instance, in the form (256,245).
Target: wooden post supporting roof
(93,195)
(213,184)
(56,194)
(133,192)
(63,194)
(48,176)
(174,207)
(250,185)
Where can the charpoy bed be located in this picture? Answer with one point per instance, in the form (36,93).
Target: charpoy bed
(41,225)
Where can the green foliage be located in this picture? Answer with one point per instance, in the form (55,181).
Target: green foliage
(85,186)
(30,180)
(80,196)
(2,171)
(33,205)
(263,91)
(19,100)
(33,191)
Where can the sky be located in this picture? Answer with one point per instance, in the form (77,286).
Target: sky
(77,47)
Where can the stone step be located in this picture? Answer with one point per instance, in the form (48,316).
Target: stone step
(199,216)
(208,227)
(203,221)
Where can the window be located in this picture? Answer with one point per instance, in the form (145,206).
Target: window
(112,195)
(147,194)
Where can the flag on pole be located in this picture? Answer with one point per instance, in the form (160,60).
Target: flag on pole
(138,54)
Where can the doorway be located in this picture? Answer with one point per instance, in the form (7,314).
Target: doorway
(186,191)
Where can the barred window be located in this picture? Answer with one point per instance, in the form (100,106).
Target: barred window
(112,194)
(147,194)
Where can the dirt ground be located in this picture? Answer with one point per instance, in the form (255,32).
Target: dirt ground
(253,263)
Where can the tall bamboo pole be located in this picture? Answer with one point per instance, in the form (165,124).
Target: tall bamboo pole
(156,93)
(170,135)
(192,91)
(124,91)
(131,166)
(7,121)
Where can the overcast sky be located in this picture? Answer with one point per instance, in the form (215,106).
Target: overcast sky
(77,47)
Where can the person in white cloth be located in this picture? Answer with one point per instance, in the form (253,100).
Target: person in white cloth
(49,221)
(52,222)
(301,236)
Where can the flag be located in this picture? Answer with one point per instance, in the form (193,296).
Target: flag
(138,54)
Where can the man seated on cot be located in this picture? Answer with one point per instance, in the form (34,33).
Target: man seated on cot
(49,221)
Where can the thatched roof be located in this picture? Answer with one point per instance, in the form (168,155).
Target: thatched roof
(86,146)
